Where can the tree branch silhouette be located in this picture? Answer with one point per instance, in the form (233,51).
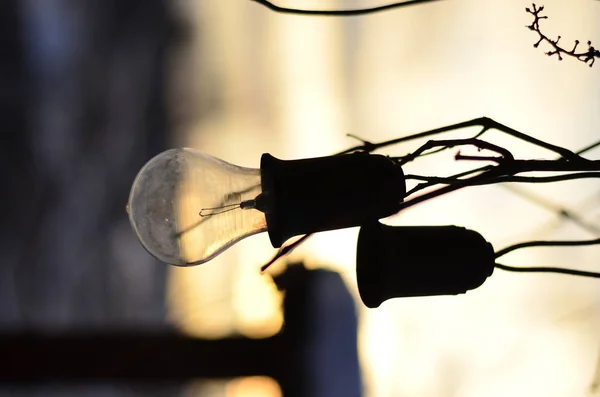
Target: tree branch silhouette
(505,169)
(586,57)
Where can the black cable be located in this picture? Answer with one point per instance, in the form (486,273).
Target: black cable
(559,270)
(330,13)
(567,243)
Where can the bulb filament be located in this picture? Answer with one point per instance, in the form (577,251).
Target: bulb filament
(247,204)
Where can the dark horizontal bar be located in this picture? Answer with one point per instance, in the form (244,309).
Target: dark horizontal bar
(134,357)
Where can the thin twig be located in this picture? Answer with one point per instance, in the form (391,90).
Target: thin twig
(460,156)
(441,149)
(587,56)
(454,178)
(484,122)
(285,250)
(559,210)
(506,155)
(548,179)
(503,179)
(506,169)
(520,166)
(459,184)
(588,148)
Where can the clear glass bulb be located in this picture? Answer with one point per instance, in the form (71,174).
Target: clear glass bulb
(187,206)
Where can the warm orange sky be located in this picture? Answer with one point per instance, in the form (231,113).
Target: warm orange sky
(294,86)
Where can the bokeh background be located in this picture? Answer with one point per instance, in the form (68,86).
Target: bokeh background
(92,89)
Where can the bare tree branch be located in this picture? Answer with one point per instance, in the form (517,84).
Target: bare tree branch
(586,57)
(505,170)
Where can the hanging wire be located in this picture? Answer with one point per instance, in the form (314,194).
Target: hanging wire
(562,243)
(573,243)
(340,13)
(559,270)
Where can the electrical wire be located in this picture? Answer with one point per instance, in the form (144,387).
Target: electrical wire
(558,270)
(351,12)
(550,243)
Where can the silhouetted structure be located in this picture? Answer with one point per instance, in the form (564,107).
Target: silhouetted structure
(314,355)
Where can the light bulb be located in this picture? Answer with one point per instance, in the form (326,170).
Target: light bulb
(183,205)
(187,207)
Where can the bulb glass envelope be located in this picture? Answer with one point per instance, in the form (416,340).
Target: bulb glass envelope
(170,192)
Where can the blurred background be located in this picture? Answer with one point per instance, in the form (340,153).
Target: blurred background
(91,90)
